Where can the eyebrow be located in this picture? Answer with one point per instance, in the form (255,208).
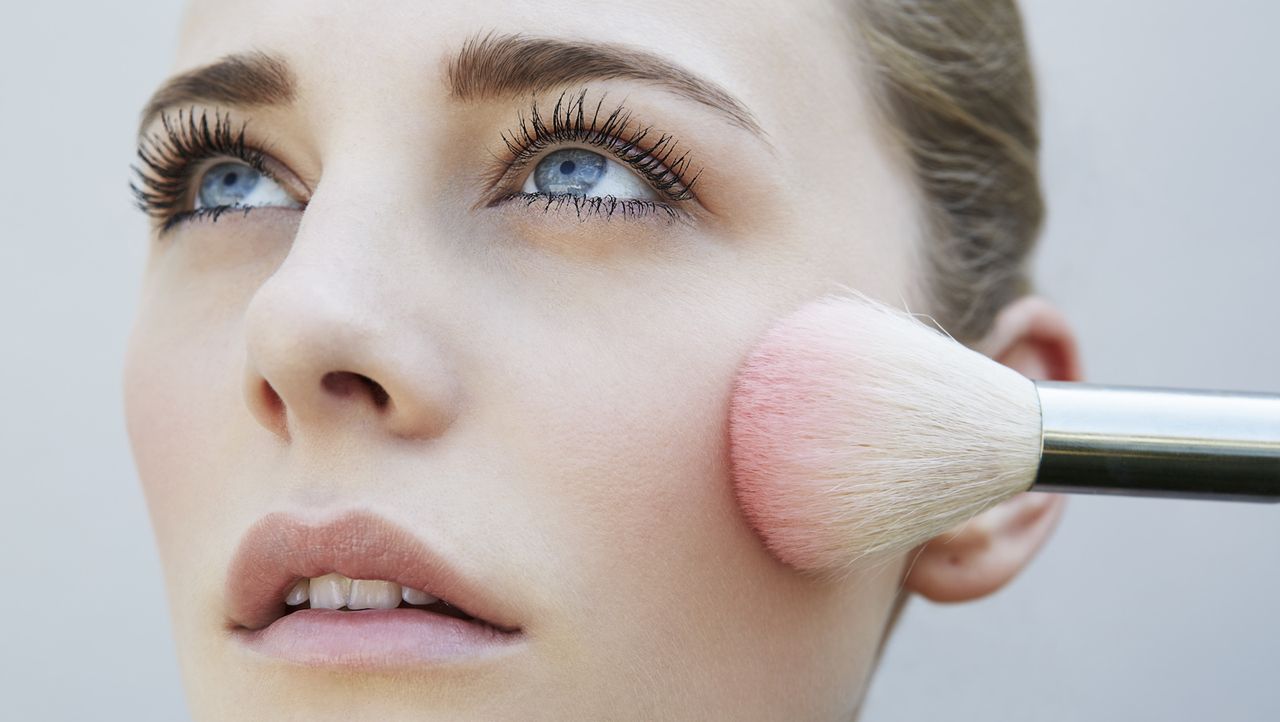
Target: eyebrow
(487,66)
(510,64)
(239,79)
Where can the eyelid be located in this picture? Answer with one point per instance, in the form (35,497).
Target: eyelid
(290,181)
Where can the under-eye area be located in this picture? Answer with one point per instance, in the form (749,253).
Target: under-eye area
(586,206)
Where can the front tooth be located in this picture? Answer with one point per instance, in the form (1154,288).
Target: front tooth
(330,591)
(414,596)
(299,593)
(373,594)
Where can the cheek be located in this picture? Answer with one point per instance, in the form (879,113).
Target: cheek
(618,420)
(642,455)
(178,399)
(162,429)
(619,424)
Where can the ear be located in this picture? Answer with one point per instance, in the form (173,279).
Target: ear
(989,550)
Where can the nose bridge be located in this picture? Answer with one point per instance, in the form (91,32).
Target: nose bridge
(333,340)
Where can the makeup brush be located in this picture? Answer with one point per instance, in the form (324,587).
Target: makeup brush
(857,430)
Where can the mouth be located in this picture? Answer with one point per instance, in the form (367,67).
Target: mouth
(358,591)
(337,592)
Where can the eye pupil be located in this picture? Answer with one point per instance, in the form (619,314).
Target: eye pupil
(567,167)
(230,179)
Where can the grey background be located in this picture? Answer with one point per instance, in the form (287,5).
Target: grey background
(1161,246)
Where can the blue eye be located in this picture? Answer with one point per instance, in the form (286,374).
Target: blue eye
(236,184)
(580,172)
(571,170)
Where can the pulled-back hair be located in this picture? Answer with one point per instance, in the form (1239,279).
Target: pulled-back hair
(954,80)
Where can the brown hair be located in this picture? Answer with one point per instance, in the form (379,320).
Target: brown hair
(955,80)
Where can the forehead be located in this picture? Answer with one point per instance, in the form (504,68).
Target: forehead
(783,61)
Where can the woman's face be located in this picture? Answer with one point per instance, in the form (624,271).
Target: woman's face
(534,387)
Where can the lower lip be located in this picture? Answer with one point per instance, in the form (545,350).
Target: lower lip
(376,638)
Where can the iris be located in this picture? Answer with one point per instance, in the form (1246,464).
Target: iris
(228,184)
(572,171)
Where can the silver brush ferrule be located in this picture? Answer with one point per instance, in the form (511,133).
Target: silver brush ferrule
(1158,442)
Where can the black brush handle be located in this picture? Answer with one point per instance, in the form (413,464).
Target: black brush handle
(1159,442)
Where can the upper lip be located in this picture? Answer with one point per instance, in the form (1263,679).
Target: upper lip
(281,548)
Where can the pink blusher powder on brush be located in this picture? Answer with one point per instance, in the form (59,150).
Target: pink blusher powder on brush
(779,398)
(857,432)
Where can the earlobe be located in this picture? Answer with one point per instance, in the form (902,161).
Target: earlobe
(988,551)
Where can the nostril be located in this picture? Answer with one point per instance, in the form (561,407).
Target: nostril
(341,384)
(270,398)
(380,395)
(344,383)
(270,409)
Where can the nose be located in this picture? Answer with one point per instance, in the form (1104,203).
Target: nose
(327,350)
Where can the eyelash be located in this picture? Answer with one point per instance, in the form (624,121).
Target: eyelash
(168,159)
(569,123)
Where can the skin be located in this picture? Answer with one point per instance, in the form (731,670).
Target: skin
(558,387)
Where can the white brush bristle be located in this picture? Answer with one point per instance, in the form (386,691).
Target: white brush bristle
(858,431)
